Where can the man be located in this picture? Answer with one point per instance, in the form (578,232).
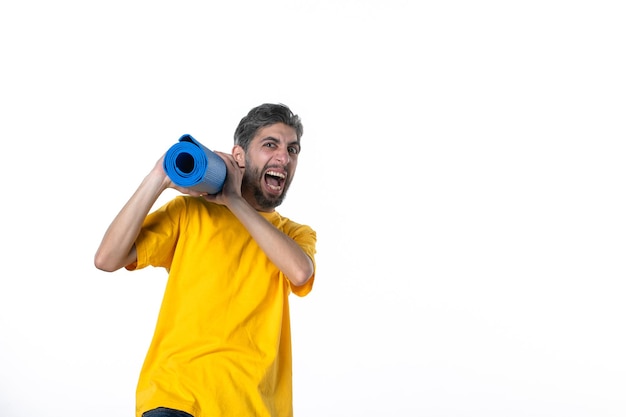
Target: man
(222,343)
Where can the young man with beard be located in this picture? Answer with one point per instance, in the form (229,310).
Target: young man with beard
(222,343)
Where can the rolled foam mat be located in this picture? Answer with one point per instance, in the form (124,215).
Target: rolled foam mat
(190,164)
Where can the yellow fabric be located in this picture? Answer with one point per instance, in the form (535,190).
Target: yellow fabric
(222,343)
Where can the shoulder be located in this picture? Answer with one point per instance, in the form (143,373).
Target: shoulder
(186,206)
(187,202)
(294,229)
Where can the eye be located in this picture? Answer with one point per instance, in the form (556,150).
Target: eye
(294,150)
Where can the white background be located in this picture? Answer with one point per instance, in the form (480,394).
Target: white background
(463,165)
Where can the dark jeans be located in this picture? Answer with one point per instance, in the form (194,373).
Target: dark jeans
(165,412)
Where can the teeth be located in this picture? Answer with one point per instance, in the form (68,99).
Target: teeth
(276,174)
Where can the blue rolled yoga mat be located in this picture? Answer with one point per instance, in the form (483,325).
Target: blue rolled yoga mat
(190,164)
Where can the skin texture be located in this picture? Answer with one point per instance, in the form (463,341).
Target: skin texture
(247,191)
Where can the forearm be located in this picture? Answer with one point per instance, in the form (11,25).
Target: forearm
(117,247)
(281,249)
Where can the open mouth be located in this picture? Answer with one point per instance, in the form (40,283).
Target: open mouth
(274,180)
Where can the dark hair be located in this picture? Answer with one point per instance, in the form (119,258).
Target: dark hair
(265,115)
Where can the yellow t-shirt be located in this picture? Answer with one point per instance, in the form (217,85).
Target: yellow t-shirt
(222,342)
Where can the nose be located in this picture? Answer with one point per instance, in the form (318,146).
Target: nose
(282,156)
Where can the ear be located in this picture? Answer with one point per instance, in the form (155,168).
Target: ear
(240,156)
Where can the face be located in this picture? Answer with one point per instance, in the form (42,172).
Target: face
(271,162)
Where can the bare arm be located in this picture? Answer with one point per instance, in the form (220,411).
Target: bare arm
(117,248)
(281,249)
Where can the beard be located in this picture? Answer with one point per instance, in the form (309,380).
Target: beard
(252,180)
